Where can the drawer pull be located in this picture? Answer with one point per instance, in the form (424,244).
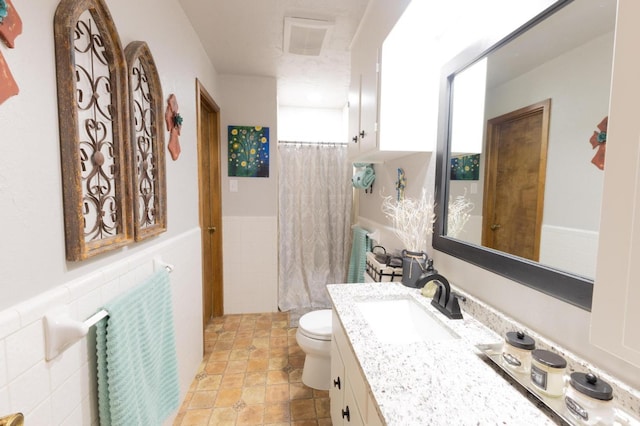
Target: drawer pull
(345,413)
(336,383)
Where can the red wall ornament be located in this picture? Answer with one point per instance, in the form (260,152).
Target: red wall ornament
(10,28)
(174,123)
(599,141)
(11,24)
(8,86)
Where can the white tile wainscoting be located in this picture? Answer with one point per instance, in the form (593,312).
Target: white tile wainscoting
(63,391)
(250,247)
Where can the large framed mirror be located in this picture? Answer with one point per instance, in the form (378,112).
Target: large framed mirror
(517,117)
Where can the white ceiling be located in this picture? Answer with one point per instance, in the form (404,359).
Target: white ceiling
(244,37)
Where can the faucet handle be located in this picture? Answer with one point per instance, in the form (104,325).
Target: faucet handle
(453,307)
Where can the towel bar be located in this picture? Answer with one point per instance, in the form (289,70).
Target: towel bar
(61,331)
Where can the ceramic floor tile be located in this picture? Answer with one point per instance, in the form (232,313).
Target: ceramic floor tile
(253,395)
(232,380)
(303,409)
(255,378)
(251,375)
(277,393)
(277,413)
(204,399)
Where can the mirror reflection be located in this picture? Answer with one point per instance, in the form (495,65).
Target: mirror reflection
(523,174)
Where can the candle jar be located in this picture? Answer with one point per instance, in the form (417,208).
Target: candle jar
(516,351)
(589,399)
(547,372)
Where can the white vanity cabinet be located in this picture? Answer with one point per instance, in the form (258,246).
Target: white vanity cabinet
(351,401)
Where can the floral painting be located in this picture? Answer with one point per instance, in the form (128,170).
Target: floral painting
(249,151)
(465,167)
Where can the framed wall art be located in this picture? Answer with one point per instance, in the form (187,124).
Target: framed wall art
(248,151)
(465,167)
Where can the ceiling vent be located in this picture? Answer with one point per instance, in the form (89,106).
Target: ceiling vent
(306,36)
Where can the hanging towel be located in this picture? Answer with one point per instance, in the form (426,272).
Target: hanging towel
(359,248)
(363,176)
(136,351)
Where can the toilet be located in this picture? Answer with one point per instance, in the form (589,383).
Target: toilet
(314,338)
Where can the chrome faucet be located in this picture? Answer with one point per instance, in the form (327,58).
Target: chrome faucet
(444,299)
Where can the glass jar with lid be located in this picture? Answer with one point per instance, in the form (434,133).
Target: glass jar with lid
(547,372)
(516,351)
(589,399)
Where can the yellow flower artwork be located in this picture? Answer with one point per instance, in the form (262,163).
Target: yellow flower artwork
(248,151)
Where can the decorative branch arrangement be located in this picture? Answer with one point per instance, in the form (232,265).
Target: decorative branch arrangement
(458,214)
(412,220)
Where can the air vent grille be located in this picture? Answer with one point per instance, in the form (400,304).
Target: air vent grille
(305,36)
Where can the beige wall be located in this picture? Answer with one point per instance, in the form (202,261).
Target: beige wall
(250,232)
(35,275)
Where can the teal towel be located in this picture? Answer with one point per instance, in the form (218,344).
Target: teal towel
(136,350)
(363,177)
(359,248)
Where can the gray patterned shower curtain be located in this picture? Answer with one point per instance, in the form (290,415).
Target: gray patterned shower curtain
(315,196)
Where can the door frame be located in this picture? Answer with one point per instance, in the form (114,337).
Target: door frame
(491,165)
(210,205)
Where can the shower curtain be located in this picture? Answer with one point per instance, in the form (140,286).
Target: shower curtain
(314,222)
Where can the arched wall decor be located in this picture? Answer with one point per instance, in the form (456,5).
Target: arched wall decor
(147,142)
(94,129)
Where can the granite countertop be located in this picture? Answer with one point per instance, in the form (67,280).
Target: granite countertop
(438,382)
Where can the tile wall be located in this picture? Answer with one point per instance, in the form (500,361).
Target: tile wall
(63,391)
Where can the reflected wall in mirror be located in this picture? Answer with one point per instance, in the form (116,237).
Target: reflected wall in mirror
(547,85)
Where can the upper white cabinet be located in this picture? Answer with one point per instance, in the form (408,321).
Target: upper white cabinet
(363,98)
(364,92)
(616,298)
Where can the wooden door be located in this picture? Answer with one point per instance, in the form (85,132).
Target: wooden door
(208,122)
(515,177)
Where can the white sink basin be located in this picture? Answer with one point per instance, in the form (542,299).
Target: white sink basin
(403,321)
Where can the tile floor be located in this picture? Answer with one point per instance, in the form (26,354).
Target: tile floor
(251,375)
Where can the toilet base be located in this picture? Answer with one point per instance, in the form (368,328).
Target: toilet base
(317,371)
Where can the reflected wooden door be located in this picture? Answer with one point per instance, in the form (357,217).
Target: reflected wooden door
(514,180)
(210,204)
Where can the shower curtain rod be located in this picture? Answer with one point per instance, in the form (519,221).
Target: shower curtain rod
(312,143)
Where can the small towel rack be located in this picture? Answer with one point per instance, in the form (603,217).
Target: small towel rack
(62,331)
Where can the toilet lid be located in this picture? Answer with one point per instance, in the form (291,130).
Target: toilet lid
(316,324)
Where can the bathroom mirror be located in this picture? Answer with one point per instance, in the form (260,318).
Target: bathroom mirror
(552,74)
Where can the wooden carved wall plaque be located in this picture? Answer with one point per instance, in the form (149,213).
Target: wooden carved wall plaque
(93,108)
(147,142)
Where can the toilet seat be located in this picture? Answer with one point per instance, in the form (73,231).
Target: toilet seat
(316,325)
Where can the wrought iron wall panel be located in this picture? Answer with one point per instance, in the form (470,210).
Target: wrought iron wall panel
(94,122)
(147,142)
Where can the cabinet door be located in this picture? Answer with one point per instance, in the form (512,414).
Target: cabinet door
(373,419)
(350,413)
(336,389)
(616,298)
(369,102)
(354,113)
